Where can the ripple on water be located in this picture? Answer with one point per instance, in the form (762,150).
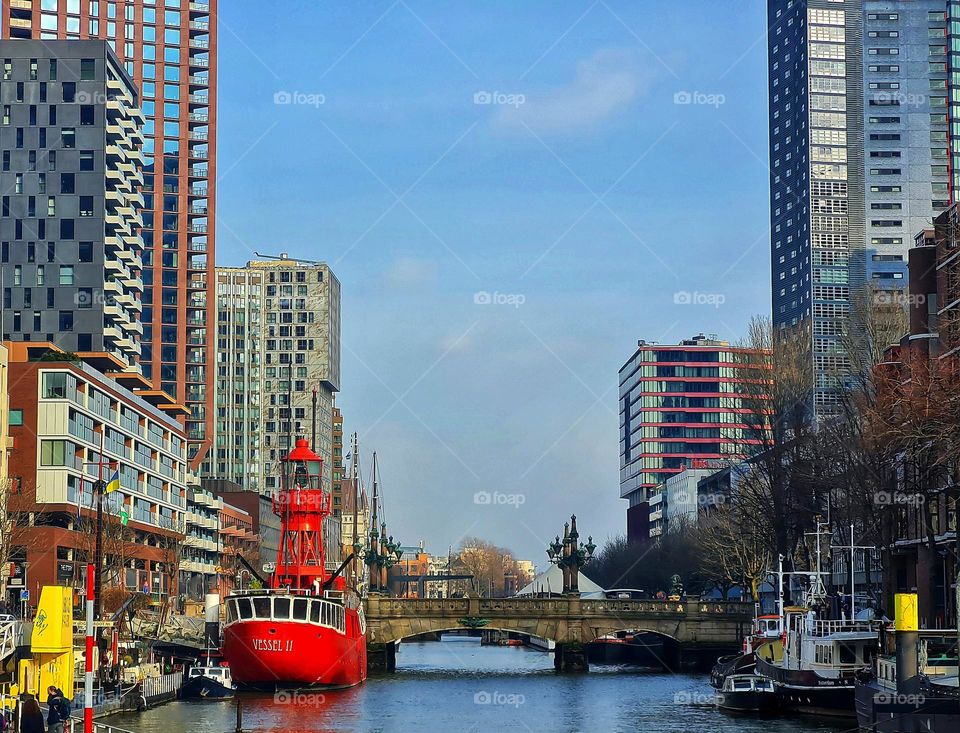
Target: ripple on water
(460,686)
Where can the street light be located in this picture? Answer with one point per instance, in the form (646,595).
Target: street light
(569,556)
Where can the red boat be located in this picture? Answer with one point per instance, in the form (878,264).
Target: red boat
(307,628)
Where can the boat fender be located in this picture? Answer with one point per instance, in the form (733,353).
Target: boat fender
(141,704)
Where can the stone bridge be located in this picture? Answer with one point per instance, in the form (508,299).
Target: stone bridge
(691,628)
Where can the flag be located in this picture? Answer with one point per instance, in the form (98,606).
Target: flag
(114,482)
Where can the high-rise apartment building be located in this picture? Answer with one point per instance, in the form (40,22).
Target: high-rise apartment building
(905,130)
(70,243)
(815,62)
(168,48)
(681,406)
(278,339)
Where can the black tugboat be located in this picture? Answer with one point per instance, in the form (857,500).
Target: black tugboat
(208,683)
(748,693)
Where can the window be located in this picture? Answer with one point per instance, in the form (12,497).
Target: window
(16,417)
(66,274)
(69,91)
(85,252)
(85,298)
(66,320)
(66,229)
(53,452)
(69,137)
(88,69)
(67,183)
(86,114)
(86,160)
(54,385)
(86,206)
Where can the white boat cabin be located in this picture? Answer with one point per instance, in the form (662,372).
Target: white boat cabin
(267,606)
(831,648)
(217,674)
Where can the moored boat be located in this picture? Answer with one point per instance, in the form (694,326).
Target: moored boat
(307,628)
(208,683)
(748,693)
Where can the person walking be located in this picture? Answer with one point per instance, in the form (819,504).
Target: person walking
(31,717)
(58,712)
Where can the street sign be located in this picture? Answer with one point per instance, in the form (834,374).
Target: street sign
(124,517)
(96,624)
(24,595)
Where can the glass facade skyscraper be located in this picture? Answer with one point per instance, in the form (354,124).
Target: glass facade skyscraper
(168,47)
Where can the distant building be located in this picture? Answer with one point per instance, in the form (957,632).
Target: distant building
(680,408)
(62,410)
(200,557)
(264,521)
(238,539)
(278,339)
(404,577)
(815,53)
(677,501)
(71,176)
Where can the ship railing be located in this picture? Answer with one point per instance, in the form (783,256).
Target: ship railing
(837,626)
(275,592)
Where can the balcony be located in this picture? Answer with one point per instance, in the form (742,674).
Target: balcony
(199,25)
(197,210)
(200,8)
(199,117)
(201,99)
(197,172)
(202,43)
(199,62)
(199,153)
(21,4)
(199,135)
(199,81)
(199,191)
(198,229)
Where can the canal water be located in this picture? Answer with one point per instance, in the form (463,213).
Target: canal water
(457,685)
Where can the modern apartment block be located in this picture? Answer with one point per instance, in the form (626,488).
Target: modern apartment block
(65,414)
(905,130)
(815,62)
(278,339)
(680,408)
(70,243)
(200,555)
(169,49)
(338,477)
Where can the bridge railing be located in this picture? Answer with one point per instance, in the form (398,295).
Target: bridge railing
(560,605)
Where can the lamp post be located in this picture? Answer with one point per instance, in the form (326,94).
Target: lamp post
(570,556)
(382,554)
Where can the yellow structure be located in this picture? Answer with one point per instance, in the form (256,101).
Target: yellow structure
(907,612)
(51,644)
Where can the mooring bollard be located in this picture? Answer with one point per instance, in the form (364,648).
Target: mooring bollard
(239,717)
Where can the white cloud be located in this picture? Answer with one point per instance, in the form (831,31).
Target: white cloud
(604,86)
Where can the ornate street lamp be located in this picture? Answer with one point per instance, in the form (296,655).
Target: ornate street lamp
(569,556)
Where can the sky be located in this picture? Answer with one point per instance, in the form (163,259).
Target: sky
(511,194)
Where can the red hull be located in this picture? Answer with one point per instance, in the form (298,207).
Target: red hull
(268,653)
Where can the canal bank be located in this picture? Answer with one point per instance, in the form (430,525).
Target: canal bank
(457,685)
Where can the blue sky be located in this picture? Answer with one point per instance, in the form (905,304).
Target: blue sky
(577,165)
